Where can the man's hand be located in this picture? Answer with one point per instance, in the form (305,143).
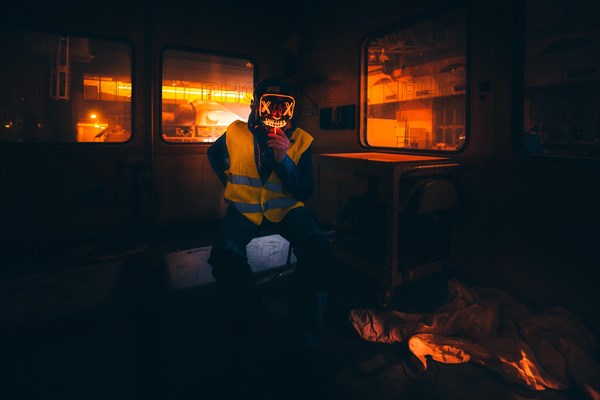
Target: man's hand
(279,142)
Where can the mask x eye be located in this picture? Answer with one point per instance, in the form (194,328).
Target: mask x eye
(289,110)
(264,107)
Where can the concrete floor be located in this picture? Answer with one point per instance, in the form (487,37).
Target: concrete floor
(148,342)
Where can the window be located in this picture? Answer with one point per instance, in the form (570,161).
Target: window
(414,85)
(562,79)
(202,94)
(60,88)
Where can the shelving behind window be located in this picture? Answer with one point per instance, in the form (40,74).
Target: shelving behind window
(414,85)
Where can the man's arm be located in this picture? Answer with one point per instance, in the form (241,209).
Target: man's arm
(297,179)
(218,156)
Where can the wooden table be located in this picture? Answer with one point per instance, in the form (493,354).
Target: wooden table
(378,176)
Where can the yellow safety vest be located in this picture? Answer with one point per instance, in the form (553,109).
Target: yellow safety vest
(245,190)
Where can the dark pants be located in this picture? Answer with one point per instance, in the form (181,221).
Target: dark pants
(229,260)
(310,243)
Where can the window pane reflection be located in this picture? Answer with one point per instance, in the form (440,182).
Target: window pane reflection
(60,88)
(415,80)
(562,79)
(202,94)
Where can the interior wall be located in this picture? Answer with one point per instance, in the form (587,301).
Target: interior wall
(525,225)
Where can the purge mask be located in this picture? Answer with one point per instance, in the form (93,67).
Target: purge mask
(275,110)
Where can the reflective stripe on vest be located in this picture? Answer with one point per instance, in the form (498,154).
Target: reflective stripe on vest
(269,205)
(278,203)
(245,190)
(245,207)
(254,182)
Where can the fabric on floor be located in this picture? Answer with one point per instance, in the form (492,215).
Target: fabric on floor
(545,350)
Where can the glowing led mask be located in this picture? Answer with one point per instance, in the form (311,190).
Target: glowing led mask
(275,110)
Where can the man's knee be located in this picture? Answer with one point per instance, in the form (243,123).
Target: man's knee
(229,268)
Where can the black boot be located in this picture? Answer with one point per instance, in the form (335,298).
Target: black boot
(235,278)
(306,315)
(247,313)
(312,329)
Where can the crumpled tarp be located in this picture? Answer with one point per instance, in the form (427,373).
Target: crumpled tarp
(545,350)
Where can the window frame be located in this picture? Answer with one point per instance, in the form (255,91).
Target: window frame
(519,98)
(94,36)
(168,47)
(363,80)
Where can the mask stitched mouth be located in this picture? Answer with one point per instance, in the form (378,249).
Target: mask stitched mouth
(276,110)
